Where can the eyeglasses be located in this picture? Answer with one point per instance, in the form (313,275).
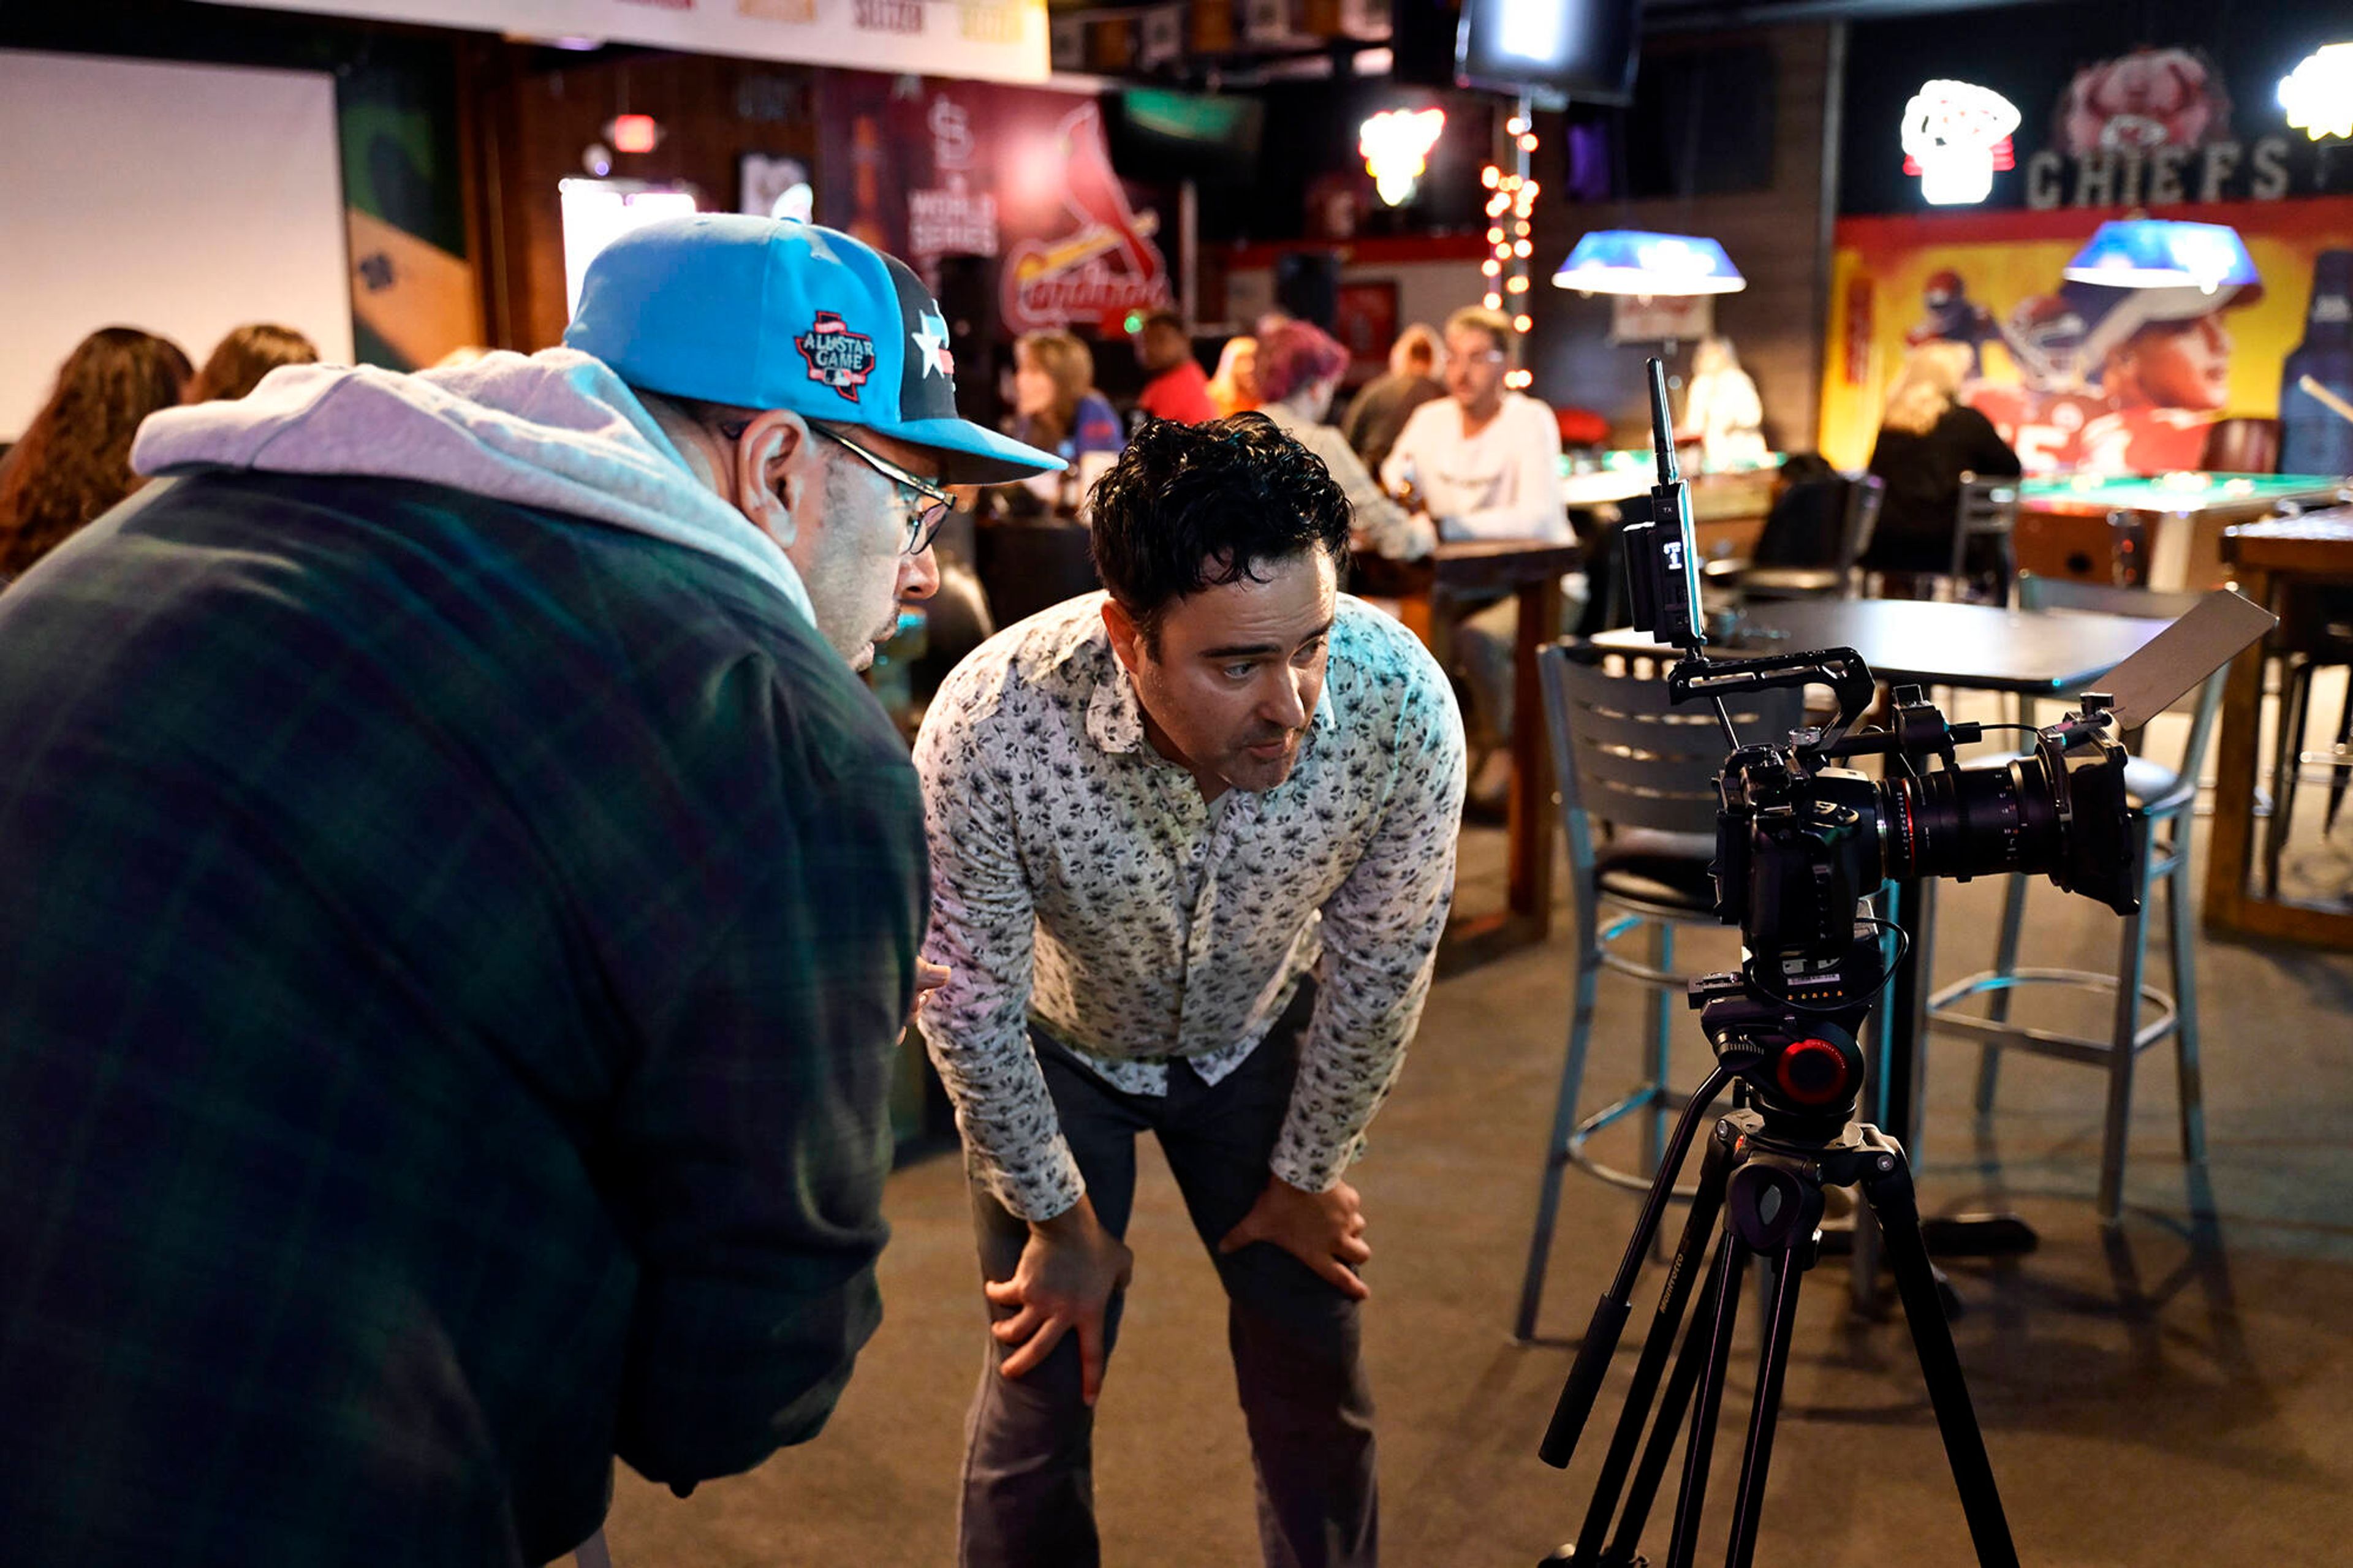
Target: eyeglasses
(927,505)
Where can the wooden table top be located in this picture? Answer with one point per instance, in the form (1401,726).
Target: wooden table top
(1982,647)
(1464,568)
(2318,543)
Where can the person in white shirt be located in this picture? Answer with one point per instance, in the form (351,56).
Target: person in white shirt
(1485,463)
(1192,851)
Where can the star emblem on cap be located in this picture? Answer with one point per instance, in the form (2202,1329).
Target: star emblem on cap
(931,339)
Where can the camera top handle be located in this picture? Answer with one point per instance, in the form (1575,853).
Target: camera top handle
(1839,669)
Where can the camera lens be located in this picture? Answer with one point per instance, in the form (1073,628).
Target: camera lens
(2050,812)
(1973,822)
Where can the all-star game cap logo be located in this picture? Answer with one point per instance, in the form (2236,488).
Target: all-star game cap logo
(837,356)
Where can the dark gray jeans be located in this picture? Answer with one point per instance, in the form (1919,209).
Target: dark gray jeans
(1028,1479)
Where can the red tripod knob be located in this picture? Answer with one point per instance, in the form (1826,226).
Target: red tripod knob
(1811,1072)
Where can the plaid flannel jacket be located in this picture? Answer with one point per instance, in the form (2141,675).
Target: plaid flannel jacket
(449,958)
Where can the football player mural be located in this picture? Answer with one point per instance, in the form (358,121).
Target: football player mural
(2081,376)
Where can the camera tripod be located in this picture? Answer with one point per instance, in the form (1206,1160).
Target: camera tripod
(1798,1073)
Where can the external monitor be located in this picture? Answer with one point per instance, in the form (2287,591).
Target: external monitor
(1556,49)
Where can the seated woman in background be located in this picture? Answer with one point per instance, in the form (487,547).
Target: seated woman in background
(1299,368)
(1927,440)
(73,460)
(1055,404)
(1233,386)
(245,356)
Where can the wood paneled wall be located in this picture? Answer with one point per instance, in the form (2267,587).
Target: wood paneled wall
(1772,236)
(536,116)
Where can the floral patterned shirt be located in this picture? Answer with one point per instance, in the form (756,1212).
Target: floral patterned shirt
(1080,877)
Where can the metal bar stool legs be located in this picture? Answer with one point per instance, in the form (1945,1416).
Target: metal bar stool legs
(1654,1102)
(1662,1024)
(1564,1118)
(2181,920)
(2166,866)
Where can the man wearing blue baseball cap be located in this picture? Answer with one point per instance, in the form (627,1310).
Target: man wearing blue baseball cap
(462,906)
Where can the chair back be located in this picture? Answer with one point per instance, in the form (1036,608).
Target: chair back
(2036,592)
(1803,528)
(1987,508)
(1624,755)
(2241,446)
(1863,497)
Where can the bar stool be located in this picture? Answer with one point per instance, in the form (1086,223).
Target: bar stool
(1647,772)
(2159,799)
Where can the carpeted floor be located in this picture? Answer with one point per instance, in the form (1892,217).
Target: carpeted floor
(2176,1391)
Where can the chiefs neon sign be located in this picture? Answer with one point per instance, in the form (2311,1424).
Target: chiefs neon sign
(1956,134)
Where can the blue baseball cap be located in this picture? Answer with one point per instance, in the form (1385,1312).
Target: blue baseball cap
(767,314)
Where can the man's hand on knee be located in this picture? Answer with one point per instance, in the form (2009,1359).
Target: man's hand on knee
(1069,1269)
(1324,1230)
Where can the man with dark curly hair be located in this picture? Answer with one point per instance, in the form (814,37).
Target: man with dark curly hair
(1192,849)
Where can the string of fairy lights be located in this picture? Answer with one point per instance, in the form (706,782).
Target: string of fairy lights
(1511,208)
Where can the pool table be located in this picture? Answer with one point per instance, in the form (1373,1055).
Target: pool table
(2163,533)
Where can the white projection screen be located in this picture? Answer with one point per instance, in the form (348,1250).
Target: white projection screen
(181,199)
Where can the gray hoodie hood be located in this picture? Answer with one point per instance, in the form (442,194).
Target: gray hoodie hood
(556,429)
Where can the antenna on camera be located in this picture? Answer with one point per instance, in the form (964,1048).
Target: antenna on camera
(1662,428)
(1661,563)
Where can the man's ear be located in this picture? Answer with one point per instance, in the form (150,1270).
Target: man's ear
(774,465)
(1126,635)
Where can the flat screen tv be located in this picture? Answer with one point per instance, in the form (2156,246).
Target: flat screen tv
(1557,49)
(1159,137)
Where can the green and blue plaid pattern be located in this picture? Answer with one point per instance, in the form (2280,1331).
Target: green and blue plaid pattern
(449,958)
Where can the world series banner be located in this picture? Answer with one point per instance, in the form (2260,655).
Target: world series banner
(2076,376)
(928,169)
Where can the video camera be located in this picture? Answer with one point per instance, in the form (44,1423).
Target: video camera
(1802,844)
(1800,839)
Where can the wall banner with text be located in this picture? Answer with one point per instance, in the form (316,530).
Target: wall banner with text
(1018,177)
(990,40)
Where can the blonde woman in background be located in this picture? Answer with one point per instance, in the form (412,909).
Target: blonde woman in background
(1234,386)
(1417,360)
(1722,411)
(1927,439)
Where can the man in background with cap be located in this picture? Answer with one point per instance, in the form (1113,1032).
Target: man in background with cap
(462,908)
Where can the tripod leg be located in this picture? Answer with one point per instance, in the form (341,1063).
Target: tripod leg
(1887,1186)
(1626,1545)
(1790,1272)
(1707,1202)
(1592,1362)
(1731,1269)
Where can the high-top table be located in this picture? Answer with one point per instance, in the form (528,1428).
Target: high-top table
(2316,548)
(1473,570)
